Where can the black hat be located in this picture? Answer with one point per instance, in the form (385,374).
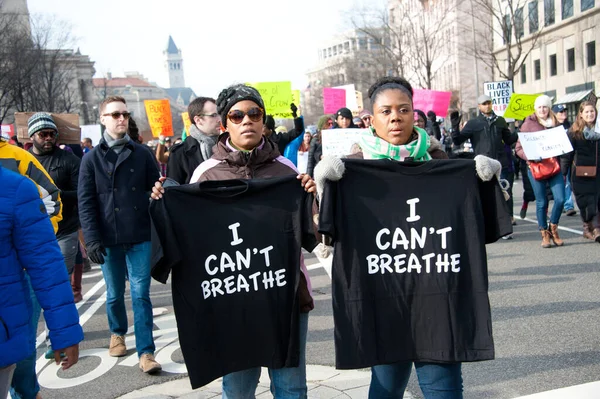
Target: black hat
(233,95)
(345,112)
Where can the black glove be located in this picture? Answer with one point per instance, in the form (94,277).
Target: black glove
(294,110)
(96,252)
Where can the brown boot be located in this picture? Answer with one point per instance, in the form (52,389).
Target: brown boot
(117,346)
(588,231)
(76,282)
(596,234)
(554,235)
(545,238)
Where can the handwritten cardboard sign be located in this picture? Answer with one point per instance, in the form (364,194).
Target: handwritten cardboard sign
(333,99)
(69,131)
(159,117)
(431,100)
(520,106)
(546,143)
(342,142)
(500,93)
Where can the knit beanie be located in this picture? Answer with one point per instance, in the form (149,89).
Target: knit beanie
(544,101)
(40,121)
(322,121)
(345,112)
(233,95)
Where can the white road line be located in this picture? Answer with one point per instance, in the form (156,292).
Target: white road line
(584,391)
(559,227)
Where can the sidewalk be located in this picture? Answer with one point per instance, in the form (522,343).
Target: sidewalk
(323,383)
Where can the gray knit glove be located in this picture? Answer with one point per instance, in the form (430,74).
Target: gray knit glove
(328,168)
(487,168)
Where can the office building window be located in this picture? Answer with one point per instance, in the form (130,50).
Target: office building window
(507,29)
(549,17)
(553,66)
(570,60)
(567,8)
(519,25)
(523,74)
(537,69)
(533,17)
(587,4)
(590,50)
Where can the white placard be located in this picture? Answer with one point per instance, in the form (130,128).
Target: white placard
(93,132)
(500,93)
(342,142)
(545,144)
(351,102)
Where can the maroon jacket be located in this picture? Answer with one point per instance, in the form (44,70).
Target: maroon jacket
(265,161)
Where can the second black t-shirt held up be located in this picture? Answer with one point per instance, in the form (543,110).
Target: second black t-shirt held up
(409,275)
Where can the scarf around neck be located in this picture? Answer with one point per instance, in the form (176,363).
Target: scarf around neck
(374,147)
(117,145)
(206,142)
(590,134)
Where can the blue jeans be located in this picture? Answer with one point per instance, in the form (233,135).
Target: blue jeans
(568,193)
(286,383)
(133,260)
(24,383)
(557,186)
(437,380)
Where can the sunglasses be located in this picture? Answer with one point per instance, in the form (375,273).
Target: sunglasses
(237,116)
(117,115)
(44,135)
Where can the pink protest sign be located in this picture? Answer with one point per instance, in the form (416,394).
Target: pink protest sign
(431,100)
(333,99)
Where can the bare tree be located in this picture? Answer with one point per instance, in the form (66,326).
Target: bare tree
(503,19)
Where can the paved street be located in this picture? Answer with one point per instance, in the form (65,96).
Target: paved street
(545,306)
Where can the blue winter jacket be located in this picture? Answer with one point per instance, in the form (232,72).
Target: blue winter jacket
(27,241)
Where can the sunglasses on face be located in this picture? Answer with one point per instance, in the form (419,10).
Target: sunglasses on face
(44,135)
(117,115)
(237,116)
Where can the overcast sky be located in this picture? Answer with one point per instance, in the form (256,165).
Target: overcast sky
(223,41)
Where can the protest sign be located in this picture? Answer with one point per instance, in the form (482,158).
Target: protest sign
(159,117)
(294,100)
(92,132)
(69,131)
(342,142)
(333,99)
(276,96)
(520,106)
(500,93)
(431,100)
(7,131)
(351,102)
(185,116)
(546,143)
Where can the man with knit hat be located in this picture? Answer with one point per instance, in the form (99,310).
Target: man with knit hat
(115,179)
(63,168)
(489,133)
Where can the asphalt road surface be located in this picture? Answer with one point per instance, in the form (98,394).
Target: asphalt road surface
(546,318)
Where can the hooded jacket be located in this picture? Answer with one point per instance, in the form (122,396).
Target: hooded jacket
(27,242)
(265,161)
(20,161)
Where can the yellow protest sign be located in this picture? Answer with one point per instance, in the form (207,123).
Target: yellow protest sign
(520,106)
(159,117)
(276,96)
(288,114)
(186,122)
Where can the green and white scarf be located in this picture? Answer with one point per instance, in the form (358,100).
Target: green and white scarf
(374,147)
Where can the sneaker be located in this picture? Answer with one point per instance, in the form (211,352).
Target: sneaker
(508,237)
(117,346)
(571,212)
(148,365)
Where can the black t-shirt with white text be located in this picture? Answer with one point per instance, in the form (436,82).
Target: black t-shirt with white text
(409,276)
(234,249)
